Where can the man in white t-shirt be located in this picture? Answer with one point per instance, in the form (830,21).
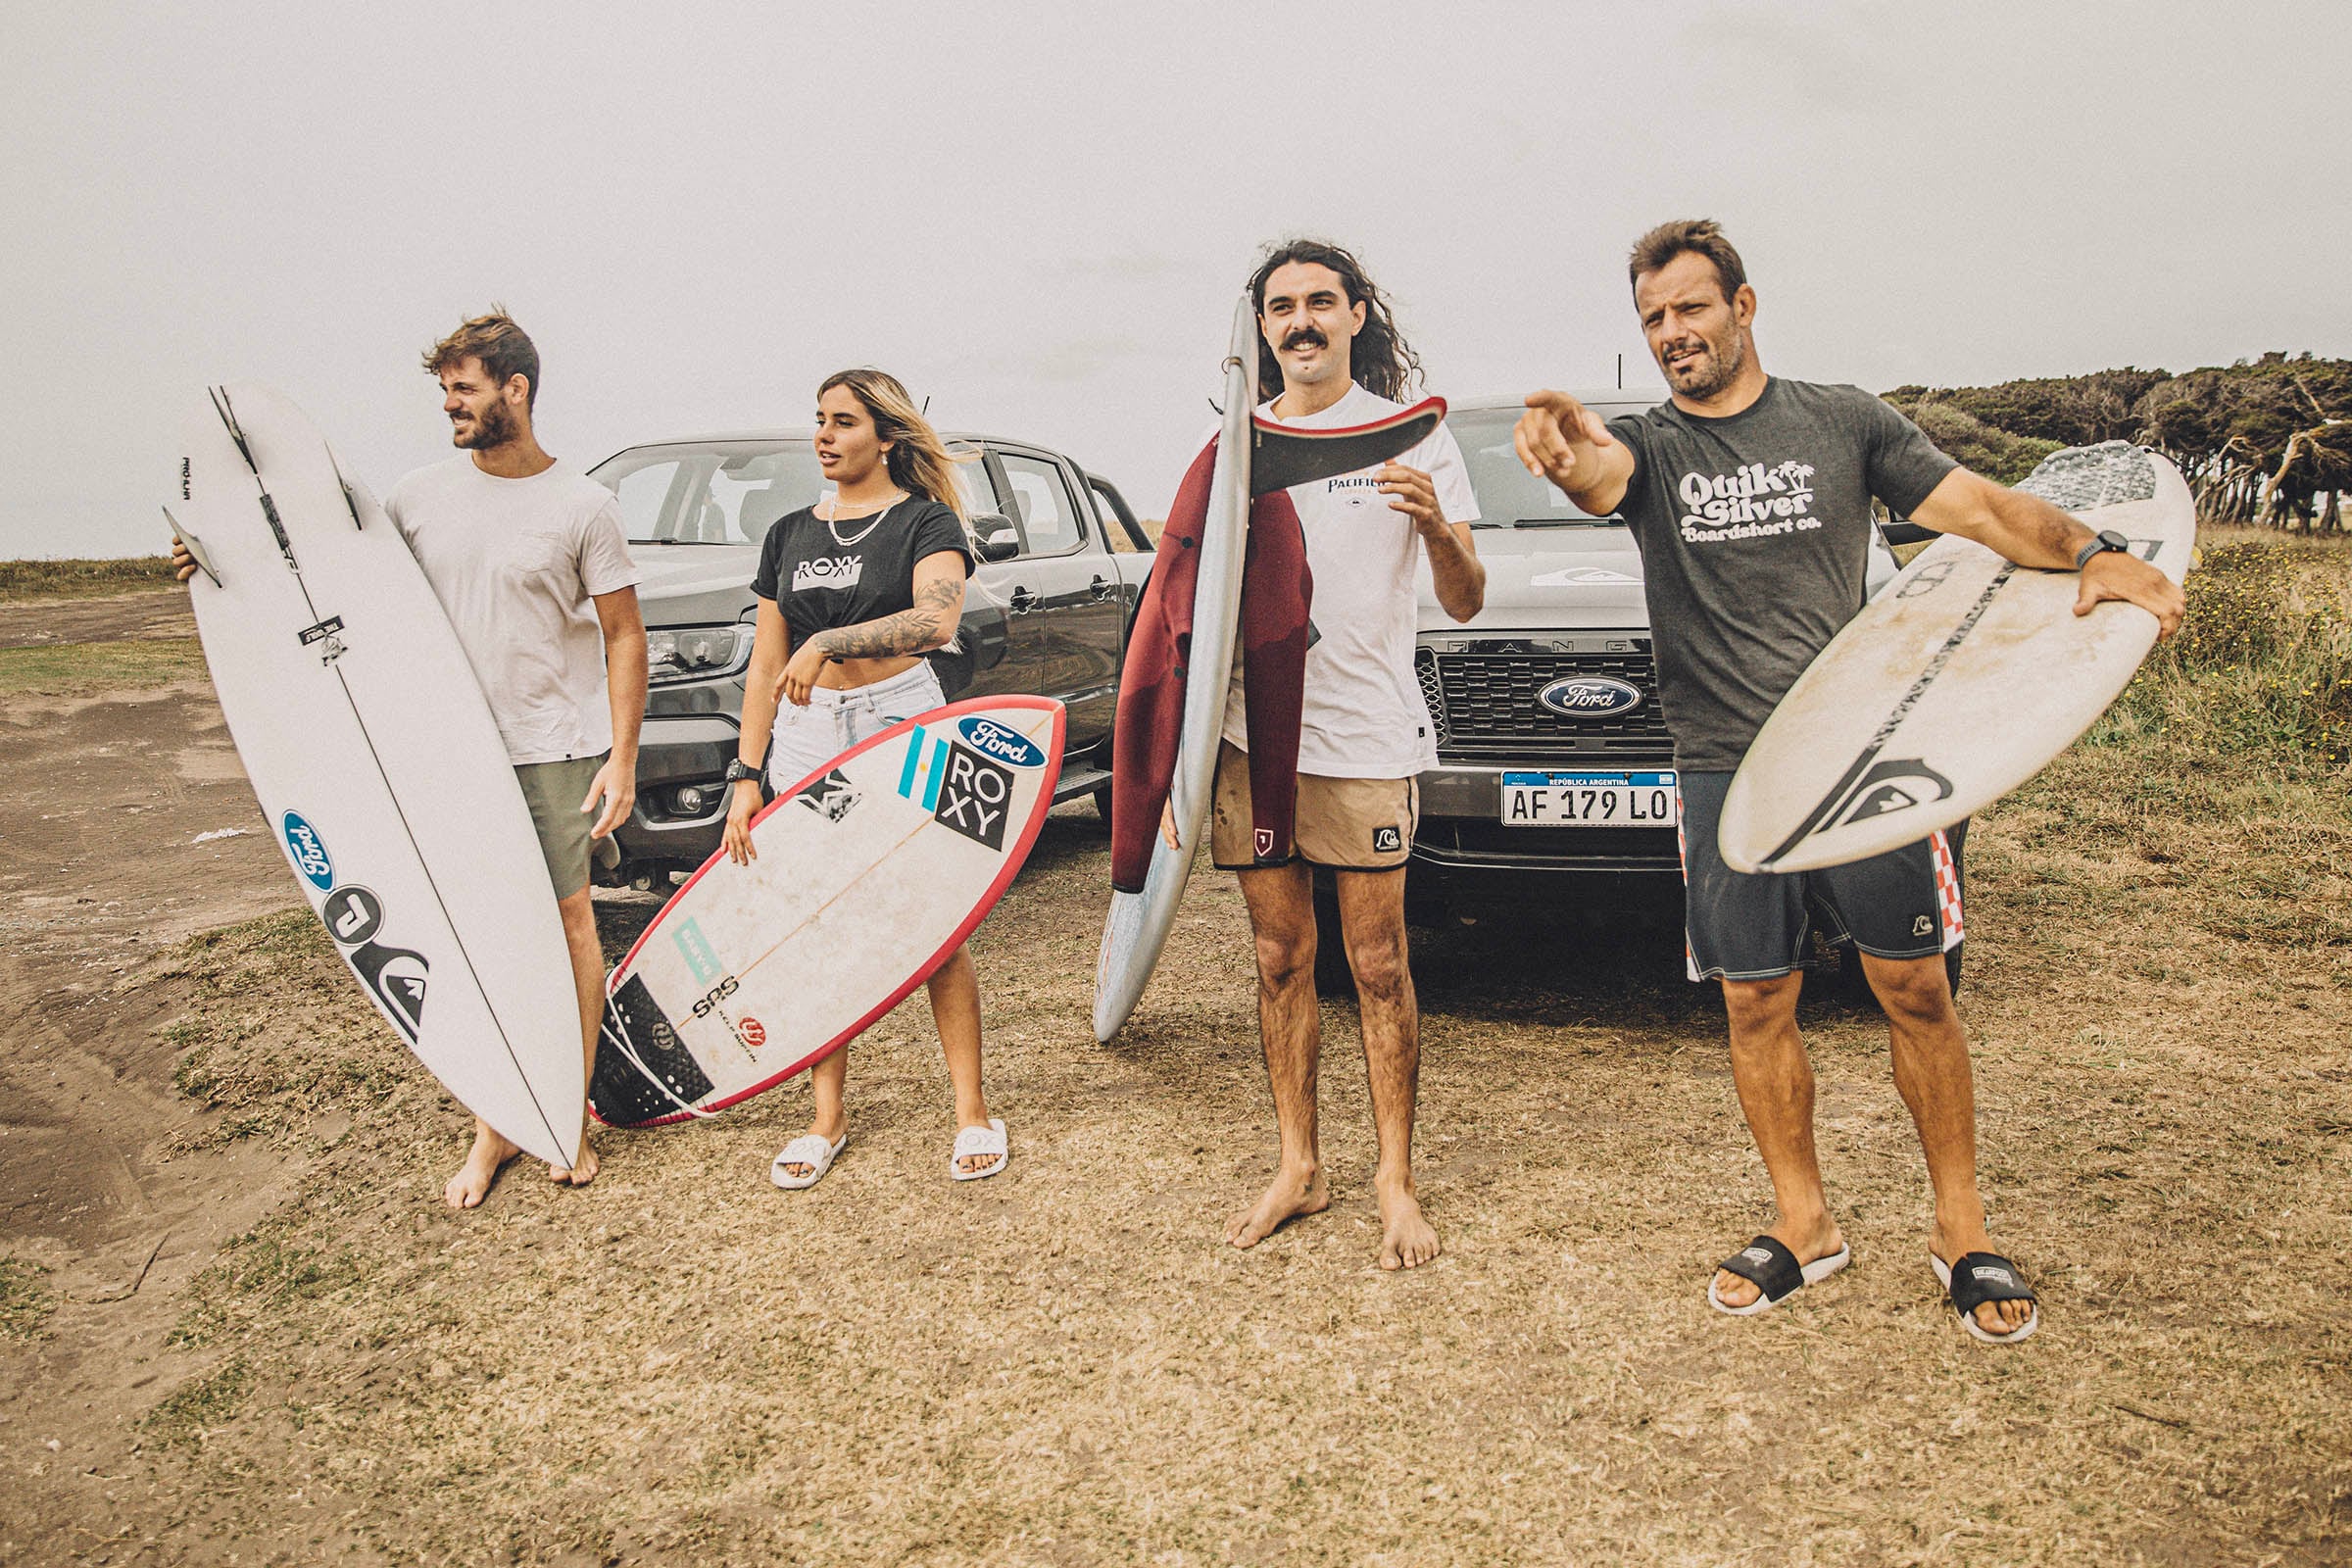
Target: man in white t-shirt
(530,562)
(1364,729)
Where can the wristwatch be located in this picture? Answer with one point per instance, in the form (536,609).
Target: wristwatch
(2104,540)
(738,770)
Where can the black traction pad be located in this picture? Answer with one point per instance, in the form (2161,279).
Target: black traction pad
(624,1097)
(1285,455)
(2084,479)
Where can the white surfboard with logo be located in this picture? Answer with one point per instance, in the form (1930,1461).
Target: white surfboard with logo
(871,874)
(378,766)
(1957,683)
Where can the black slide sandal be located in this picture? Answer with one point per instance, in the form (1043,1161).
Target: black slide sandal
(1767,1265)
(1980,1277)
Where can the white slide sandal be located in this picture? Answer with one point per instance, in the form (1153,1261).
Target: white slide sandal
(974,1141)
(810,1149)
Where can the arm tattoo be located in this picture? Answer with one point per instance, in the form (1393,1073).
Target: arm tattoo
(928,626)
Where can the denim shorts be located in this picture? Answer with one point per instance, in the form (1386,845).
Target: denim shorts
(807,739)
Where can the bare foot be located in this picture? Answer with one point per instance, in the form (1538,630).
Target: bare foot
(1955,1243)
(1810,1246)
(1291,1196)
(471,1184)
(1407,1240)
(581,1174)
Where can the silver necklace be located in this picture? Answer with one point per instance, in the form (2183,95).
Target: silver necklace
(833,524)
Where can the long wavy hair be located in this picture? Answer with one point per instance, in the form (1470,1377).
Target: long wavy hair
(917,459)
(1381,362)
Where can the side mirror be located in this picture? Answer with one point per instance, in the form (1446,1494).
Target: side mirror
(993,537)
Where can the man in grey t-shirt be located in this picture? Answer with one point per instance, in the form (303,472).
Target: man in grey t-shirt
(1750,498)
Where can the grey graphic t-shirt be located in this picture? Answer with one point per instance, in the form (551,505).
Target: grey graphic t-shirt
(1754,533)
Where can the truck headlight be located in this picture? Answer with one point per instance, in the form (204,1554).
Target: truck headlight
(696,653)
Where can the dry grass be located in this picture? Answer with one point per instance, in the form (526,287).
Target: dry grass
(1066,1367)
(24,580)
(78,669)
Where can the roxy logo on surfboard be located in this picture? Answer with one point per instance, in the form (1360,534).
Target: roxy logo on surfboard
(1748,504)
(960,788)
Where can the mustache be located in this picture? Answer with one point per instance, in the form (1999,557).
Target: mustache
(1306,337)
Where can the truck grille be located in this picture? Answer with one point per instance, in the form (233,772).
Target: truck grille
(1483,703)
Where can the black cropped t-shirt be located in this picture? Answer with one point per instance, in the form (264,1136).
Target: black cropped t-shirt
(820,583)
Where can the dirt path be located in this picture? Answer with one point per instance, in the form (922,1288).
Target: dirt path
(1064,1366)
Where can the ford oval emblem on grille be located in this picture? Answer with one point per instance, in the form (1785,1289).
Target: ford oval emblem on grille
(1590,697)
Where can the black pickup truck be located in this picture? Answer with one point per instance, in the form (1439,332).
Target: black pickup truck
(1047,610)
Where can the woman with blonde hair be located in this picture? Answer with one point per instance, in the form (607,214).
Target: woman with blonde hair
(853,592)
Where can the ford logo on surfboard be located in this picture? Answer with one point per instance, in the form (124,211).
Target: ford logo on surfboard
(1591,696)
(1008,745)
(308,851)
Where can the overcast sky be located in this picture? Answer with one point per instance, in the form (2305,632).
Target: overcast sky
(1037,215)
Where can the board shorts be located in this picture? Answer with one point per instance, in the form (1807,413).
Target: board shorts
(1345,825)
(807,739)
(554,792)
(1740,925)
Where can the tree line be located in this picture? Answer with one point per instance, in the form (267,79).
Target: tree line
(2261,441)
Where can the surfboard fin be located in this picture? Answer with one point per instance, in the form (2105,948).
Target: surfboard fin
(195,546)
(1286,454)
(350,501)
(228,418)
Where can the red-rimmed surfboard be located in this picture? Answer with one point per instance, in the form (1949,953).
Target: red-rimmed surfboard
(870,872)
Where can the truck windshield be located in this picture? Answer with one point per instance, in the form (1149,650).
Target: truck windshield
(1508,496)
(730,492)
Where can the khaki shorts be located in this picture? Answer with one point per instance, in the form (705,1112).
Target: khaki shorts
(554,792)
(1348,824)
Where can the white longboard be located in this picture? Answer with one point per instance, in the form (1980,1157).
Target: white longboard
(1956,684)
(869,873)
(1137,927)
(378,766)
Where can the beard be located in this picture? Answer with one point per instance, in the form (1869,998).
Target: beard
(494,426)
(1703,378)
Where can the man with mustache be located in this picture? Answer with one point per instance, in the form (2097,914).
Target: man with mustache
(1750,499)
(1364,729)
(530,562)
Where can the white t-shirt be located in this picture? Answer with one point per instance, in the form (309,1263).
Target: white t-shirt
(515,563)
(1363,715)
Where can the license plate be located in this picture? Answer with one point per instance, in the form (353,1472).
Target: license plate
(1590,800)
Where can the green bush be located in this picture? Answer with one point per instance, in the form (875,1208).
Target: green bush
(2259,664)
(1969,441)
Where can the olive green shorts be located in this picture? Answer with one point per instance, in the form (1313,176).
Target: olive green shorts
(554,792)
